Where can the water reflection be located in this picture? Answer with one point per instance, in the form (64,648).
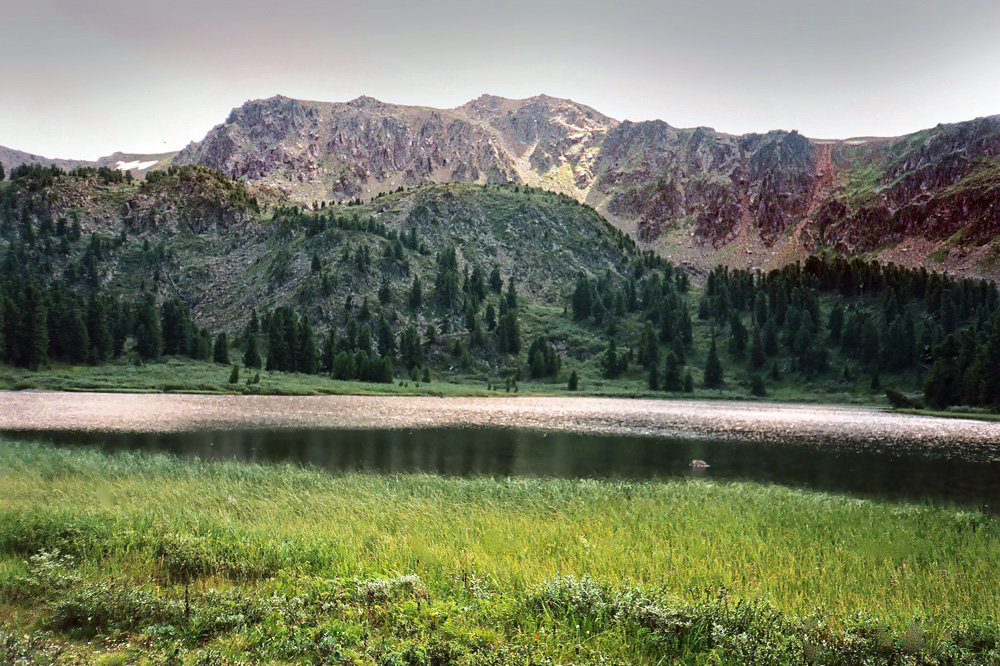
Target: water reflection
(900,471)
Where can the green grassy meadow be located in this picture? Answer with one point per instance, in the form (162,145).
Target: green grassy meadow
(141,558)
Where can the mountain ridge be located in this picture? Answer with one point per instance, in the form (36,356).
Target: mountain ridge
(695,195)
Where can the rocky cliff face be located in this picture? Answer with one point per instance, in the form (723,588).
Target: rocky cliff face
(699,195)
(363,147)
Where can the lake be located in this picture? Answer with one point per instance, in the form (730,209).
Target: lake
(864,451)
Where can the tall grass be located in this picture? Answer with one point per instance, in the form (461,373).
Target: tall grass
(139,517)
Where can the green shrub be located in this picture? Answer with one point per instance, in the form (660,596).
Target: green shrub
(113,607)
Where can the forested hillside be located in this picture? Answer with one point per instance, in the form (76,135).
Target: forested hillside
(495,286)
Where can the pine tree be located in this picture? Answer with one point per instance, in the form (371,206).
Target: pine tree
(496,282)
(98,331)
(220,352)
(649,349)
(251,357)
(386,338)
(308,357)
(713,368)
(491,317)
(234,376)
(583,297)
(35,334)
(688,382)
(410,351)
(148,336)
(757,356)
(574,381)
(416,298)
(737,336)
(770,338)
(672,373)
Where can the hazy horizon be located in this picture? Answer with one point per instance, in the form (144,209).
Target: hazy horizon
(86,81)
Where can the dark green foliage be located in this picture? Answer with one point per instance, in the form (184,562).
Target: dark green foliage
(307,357)
(757,355)
(737,336)
(220,351)
(385,293)
(672,373)
(416,297)
(713,369)
(410,349)
(543,360)
(583,298)
(508,332)
(614,363)
(757,387)
(251,357)
(900,401)
(574,382)
(649,348)
(688,382)
(496,282)
(148,336)
(234,376)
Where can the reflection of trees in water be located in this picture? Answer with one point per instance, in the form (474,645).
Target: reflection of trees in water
(833,466)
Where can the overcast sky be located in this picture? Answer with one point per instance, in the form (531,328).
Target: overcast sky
(83,78)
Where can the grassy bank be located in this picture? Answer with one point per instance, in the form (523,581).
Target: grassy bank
(288,565)
(181,375)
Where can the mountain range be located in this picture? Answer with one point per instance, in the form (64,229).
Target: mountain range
(697,196)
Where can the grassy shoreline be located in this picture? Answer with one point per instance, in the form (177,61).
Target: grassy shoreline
(295,565)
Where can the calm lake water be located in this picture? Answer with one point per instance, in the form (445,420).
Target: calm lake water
(862,451)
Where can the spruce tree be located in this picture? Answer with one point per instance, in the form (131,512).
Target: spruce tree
(574,381)
(251,357)
(757,356)
(308,357)
(148,336)
(220,352)
(737,336)
(649,349)
(672,373)
(713,368)
(688,382)
(416,298)
(101,342)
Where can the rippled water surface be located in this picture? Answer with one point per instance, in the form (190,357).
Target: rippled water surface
(847,449)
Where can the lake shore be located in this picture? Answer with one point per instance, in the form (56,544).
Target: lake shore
(750,421)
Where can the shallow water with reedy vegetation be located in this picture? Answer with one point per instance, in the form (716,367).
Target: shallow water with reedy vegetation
(281,564)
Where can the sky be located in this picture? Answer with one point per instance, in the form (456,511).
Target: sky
(84,78)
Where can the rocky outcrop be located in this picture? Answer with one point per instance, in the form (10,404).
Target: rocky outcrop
(778,194)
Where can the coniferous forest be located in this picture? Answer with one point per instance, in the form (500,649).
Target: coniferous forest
(385,290)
